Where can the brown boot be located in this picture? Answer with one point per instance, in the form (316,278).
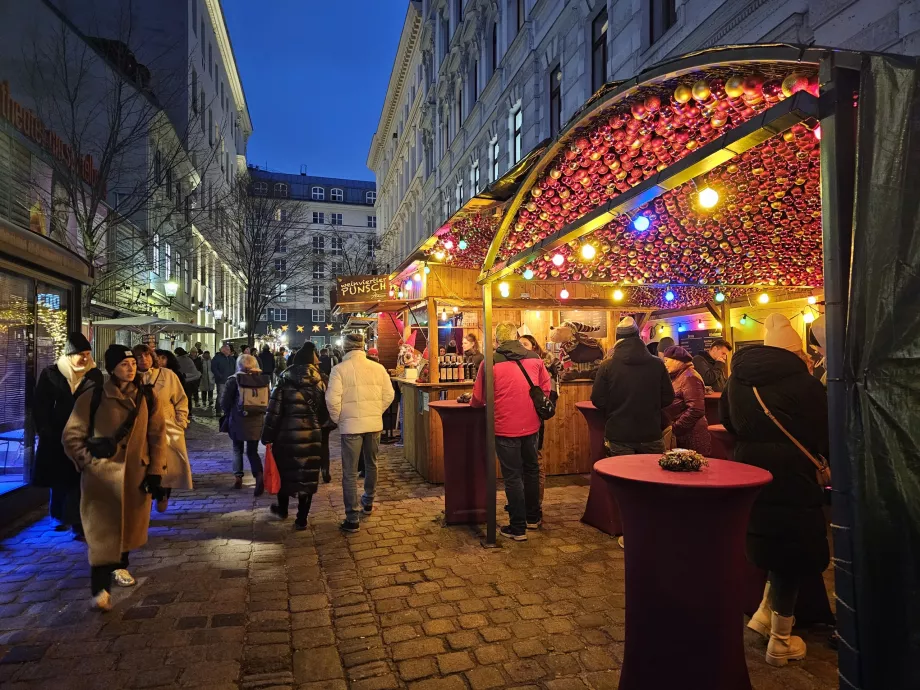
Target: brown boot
(784,646)
(260,486)
(238,483)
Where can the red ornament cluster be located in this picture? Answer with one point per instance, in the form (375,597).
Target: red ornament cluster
(635,139)
(685,296)
(476,231)
(765,230)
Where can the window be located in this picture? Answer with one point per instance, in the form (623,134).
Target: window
(178,196)
(518,124)
(372,221)
(474,83)
(158,167)
(458,12)
(281,214)
(319,271)
(277,315)
(318,294)
(167,264)
(555,100)
(319,244)
(179,266)
(156,253)
(496,151)
(662,16)
(444,136)
(188,209)
(318,315)
(336,194)
(281,189)
(194,88)
(459,112)
(210,199)
(371,197)
(317,193)
(259,188)
(194,15)
(319,217)
(201,36)
(493,63)
(257,240)
(599,50)
(336,218)
(445,34)
(520,15)
(474,178)
(459,194)
(371,247)
(338,268)
(282,292)
(338,246)
(281,245)
(201,101)
(280,268)
(210,127)
(210,60)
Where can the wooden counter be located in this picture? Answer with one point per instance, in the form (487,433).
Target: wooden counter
(566,442)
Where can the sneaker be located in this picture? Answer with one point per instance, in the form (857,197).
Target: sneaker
(301,526)
(350,527)
(508,532)
(102,601)
(123,578)
(327,477)
(275,509)
(260,486)
(535,525)
(238,483)
(368,509)
(621,542)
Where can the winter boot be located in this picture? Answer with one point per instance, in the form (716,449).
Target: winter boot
(783,645)
(761,620)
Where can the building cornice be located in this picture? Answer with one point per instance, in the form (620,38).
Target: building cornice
(216,12)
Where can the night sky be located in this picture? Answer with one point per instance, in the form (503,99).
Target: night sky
(315,75)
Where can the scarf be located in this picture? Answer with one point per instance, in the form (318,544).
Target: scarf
(71,373)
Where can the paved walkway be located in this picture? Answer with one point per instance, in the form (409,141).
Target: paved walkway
(230,597)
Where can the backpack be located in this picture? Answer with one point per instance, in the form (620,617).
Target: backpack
(252,400)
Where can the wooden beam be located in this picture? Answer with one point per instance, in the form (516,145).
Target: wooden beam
(433,373)
(714,309)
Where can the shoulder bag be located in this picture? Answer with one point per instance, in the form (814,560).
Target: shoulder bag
(822,468)
(545,408)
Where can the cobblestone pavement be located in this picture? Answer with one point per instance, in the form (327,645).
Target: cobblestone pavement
(230,597)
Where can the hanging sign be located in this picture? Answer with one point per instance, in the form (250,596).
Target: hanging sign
(361,288)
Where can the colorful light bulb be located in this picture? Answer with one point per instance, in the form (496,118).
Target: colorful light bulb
(558,259)
(448,244)
(588,251)
(564,294)
(708,197)
(617,295)
(720,297)
(669,296)
(462,245)
(763,298)
(504,289)
(528,274)
(812,299)
(641,223)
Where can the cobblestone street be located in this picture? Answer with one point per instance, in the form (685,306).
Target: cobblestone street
(228,596)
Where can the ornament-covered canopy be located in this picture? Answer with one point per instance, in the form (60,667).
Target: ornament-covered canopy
(463,242)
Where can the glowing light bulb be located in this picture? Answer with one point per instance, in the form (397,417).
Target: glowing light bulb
(588,251)
(558,259)
(408,285)
(400,294)
(564,294)
(812,299)
(462,245)
(504,289)
(528,274)
(708,197)
(439,255)
(681,328)
(427,270)
(743,320)
(763,298)
(417,277)
(700,325)
(392,293)
(669,296)
(808,317)
(617,295)
(720,297)
(448,244)
(641,223)
(444,315)
(817,132)
(456,309)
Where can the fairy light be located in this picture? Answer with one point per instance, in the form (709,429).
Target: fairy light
(617,295)
(564,294)
(528,274)
(669,296)
(417,277)
(808,317)
(744,319)
(681,328)
(558,259)
(448,244)
(763,298)
(700,325)
(504,289)
(439,255)
(427,269)
(812,299)
(641,223)
(462,245)
(708,197)
(456,309)
(720,297)
(588,251)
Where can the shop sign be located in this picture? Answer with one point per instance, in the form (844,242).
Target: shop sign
(362,288)
(31,125)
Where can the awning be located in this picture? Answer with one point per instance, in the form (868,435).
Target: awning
(150,325)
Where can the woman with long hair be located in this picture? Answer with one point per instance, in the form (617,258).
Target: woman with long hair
(472,352)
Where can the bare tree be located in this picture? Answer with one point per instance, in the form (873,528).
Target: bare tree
(123,178)
(261,234)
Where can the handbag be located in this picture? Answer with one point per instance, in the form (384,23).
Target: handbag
(272,478)
(822,468)
(104,447)
(545,408)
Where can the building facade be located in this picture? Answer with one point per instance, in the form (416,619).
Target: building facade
(338,232)
(477,84)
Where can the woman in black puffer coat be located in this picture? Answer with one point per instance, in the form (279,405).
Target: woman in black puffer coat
(787,534)
(294,426)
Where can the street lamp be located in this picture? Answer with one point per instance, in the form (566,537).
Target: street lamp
(242,325)
(171,288)
(218,314)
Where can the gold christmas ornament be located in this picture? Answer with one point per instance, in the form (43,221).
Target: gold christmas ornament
(701,91)
(734,87)
(683,93)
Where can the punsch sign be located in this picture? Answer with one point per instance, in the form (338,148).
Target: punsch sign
(362,288)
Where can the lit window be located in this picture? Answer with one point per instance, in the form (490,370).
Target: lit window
(371,197)
(496,150)
(281,189)
(372,221)
(319,217)
(167,264)
(282,292)
(336,194)
(335,218)
(474,178)
(317,193)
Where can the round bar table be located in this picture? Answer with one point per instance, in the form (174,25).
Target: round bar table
(601,510)
(712,407)
(464,461)
(684,535)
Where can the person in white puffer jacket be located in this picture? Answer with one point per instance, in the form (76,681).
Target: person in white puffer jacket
(359,392)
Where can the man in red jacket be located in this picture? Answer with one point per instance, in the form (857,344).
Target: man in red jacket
(517,428)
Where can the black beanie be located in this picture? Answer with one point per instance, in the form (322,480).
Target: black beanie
(114,356)
(76,343)
(305,354)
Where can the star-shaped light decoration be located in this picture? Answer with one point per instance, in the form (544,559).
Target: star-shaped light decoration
(300,329)
(284,328)
(328,326)
(316,329)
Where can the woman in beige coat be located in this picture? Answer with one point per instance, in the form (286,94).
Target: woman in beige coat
(115,504)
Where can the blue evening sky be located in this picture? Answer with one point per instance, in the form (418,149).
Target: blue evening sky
(315,75)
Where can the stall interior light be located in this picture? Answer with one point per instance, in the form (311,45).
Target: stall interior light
(448,244)
(427,269)
(462,245)
(392,293)
(720,297)
(812,299)
(708,197)
(744,318)
(443,315)
(456,309)
(617,295)
(669,296)
(564,294)
(417,277)
(504,289)
(817,132)
(558,259)
(641,223)
(439,255)
(763,298)
(408,285)
(700,325)
(808,317)
(588,251)
(528,274)
(400,294)
(681,328)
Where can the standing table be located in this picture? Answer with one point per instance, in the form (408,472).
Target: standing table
(464,461)
(601,511)
(684,535)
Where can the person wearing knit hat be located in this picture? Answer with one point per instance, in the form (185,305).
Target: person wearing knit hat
(771,386)
(631,389)
(110,437)
(359,393)
(59,386)
(663,345)
(687,414)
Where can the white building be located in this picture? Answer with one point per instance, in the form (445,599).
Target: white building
(340,233)
(477,84)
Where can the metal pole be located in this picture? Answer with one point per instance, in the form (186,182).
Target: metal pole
(838,173)
(488,379)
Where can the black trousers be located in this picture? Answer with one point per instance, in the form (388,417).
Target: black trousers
(100,576)
(304,500)
(784,591)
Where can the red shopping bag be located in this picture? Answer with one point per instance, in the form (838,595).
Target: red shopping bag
(272,478)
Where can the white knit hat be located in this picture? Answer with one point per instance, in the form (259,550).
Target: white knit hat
(780,333)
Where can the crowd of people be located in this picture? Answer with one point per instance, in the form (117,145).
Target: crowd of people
(112,449)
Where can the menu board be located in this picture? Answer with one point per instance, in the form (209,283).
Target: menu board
(697,342)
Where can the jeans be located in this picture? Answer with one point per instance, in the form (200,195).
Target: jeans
(353,447)
(220,395)
(304,500)
(784,590)
(252,452)
(100,576)
(521,473)
(207,397)
(648,448)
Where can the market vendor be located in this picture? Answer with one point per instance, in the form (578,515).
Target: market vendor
(711,365)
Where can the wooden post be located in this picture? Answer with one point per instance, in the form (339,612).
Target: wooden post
(407,327)
(488,379)
(433,374)
(725,318)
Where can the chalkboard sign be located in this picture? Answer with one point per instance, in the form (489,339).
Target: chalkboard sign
(696,342)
